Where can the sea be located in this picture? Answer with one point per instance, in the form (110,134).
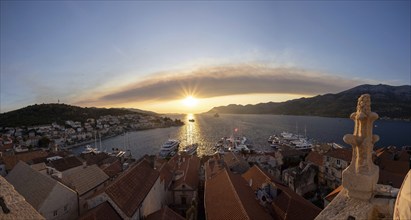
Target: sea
(206,130)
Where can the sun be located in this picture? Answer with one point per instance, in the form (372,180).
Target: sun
(190,101)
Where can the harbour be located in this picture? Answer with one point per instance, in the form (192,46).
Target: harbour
(207,130)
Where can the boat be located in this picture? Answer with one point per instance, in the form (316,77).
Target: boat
(191,120)
(90,149)
(191,149)
(168,147)
(233,144)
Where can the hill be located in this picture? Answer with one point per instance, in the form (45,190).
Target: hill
(387,101)
(49,113)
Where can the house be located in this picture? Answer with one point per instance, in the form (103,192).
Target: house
(50,198)
(229,196)
(282,202)
(65,163)
(135,194)
(286,157)
(11,160)
(184,187)
(102,211)
(165,214)
(85,180)
(301,179)
(13,205)
(394,164)
(235,162)
(334,162)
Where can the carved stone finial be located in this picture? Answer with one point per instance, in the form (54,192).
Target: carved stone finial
(360,178)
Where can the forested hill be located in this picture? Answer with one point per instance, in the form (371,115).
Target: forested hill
(49,113)
(387,101)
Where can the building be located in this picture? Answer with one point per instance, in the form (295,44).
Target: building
(228,196)
(334,162)
(85,180)
(281,201)
(102,211)
(136,193)
(13,205)
(301,179)
(50,198)
(184,187)
(235,162)
(165,214)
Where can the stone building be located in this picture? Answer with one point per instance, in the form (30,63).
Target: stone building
(50,198)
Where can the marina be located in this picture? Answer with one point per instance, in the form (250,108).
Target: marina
(208,130)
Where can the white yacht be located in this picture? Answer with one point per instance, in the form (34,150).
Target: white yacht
(168,147)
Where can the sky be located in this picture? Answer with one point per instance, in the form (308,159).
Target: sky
(152,55)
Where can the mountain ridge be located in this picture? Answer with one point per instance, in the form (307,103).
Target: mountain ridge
(39,114)
(388,101)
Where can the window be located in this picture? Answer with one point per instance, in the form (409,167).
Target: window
(326,169)
(338,162)
(65,208)
(328,159)
(183,200)
(55,213)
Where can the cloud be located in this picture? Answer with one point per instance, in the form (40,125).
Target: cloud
(227,80)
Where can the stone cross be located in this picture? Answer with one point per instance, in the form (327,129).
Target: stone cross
(360,178)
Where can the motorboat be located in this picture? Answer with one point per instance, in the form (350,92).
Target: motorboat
(168,147)
(191,120)
(191,149)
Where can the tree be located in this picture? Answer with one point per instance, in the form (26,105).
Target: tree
(44,142)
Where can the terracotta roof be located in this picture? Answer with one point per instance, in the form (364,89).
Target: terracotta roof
(213,166)
(34,186)
(256,176)
(340,153)
(227,196)
(166,174)
(93,158)
(102,211)
(65,163)
(235,162)
(297,207)
(84,179)
(11,160)
(112,169)
(190,167)
(287,204)
(17,205)
(334,193)
(164,214)
(315,158)
(129,190)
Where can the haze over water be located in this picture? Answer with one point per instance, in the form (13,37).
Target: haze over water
(207,130)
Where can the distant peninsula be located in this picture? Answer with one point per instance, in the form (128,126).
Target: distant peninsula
(41,114)
(388,101)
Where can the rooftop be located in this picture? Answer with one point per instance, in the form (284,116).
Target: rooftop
(164,214)
(16,204)
(84,179)
(129,190)
(102,211)
(66,163)
(34,186)
(227,196)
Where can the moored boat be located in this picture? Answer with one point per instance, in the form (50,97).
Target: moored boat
(190,149)
(169,147)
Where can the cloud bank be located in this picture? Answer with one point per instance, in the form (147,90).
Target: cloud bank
(208,82)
